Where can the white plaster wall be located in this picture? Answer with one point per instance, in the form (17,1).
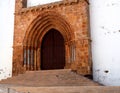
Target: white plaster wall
(105,35)
(6,37)
(31,3)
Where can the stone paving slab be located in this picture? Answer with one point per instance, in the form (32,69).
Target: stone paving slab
(8,90)
(69,89)
(49,78)
(52,81)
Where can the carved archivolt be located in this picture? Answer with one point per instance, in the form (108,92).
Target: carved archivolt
(36,31)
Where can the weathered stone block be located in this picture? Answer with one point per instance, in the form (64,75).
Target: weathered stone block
(70,18)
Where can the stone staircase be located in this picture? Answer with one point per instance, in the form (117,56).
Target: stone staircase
(63,77)
(54,81)
(8,90)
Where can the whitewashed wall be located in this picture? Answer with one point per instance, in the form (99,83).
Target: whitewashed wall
(31,3)
(105,34)
(6,37)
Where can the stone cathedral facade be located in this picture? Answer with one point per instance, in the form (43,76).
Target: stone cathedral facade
(52,36)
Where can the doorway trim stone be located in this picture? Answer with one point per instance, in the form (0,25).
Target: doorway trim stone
(35,33)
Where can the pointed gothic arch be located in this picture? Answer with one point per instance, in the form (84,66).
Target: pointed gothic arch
(35,33)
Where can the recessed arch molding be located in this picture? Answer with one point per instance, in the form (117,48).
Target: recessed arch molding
(35,33)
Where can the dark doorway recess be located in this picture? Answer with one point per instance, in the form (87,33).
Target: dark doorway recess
(52,51)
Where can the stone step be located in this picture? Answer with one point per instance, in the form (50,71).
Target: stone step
(69,89)
(43,72)
(8,90)
(54,81)
(63,77)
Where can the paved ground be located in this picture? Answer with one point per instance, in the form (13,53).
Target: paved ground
(55,81)
(49,78)
(69,89)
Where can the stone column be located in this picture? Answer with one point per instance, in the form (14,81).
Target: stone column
(73,59)
(32,58)
(67,56)
(38,59)
(105,35)
(28,58)
(24,57)
(35,59)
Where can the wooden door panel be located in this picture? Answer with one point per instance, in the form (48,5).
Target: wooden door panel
(53,51)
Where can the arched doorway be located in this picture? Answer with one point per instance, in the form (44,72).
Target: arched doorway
(36,40)
(52,51)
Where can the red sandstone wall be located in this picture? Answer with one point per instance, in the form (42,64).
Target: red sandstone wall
(76,15)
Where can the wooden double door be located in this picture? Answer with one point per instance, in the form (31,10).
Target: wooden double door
(52,51)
